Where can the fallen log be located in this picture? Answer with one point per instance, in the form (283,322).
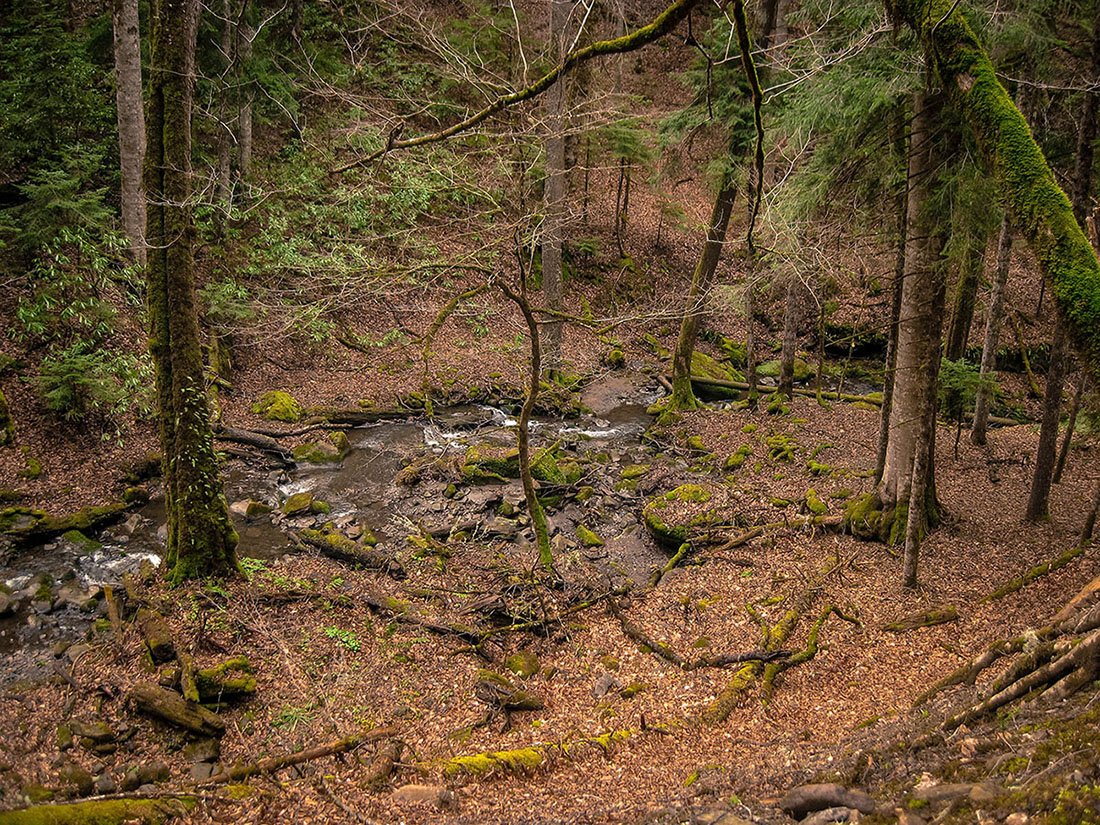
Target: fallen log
(379,770)
(528,759)
(1036,572)
(924,618)
(169,706)
(115,811)
(264,443)
(340,547)
(276,763)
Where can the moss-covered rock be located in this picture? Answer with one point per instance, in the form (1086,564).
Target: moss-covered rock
(524,664)
(615,358)
(814,503)
(81,542)
(587,537)
(31,525)
(278,406)
(32,467)
(703,366)
(634,471)
(298,504)
(328,451)
(771,369)
(674,518)
(735,460)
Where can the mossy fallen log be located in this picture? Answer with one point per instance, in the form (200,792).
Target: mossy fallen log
(924,618)
(25,525)
(170,707)
(156,635)
(102,812)
(340,547)
(524,760)
(231,680)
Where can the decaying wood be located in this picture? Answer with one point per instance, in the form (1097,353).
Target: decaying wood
(1034,573)
(277,763)
(157,636)
(924,618)
(265,444)
(111,811)
(340,547)
(168,705)
(379,770)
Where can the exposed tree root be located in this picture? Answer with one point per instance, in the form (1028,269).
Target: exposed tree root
(277,763)
(925,618)
(264,443)
(665,652)
(1034,573)
(773,668)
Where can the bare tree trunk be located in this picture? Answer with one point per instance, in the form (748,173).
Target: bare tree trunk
(994,320)
(920,325)
(683,398)
(790,337)
(750,335)
(1071,425)
(223,108)
(131,121)
(1090,518)
(901,210)
(245,33)
(554,193)
(1038,503)
(962,307)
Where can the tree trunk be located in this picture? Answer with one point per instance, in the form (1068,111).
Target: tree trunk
(1086,139)
(962,305)
(920,325)
(1090,518)
(994,320)
(131,121)
(201,539)
(554,203)
(790,337)
(750,335)
(1039,208)
(245,33)
(901,210)
(224,106)
(1041,479)
(1071,425)
(682,396)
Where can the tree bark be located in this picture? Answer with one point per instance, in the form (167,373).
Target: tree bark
(920,325)
(701,280)
(901,209)
(554,204)
(245,33)
(224,107)
(1090,518)
(790,337)
(1038,503)
(962,305)
(131,121)
(1071,425)
(1039,208)
(993,322)
(201,539)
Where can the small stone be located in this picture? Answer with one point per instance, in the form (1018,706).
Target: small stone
(58,649)
(74,775)
(239,508)
(944,792)
(64,737)
(830,815)
(144,775)
(986,792)
(105,783)
(1018,818)
(76,651)
(94,730)
(604,685)
(809,798)
(202,750)
(203,770)
(434,795)
(7,604)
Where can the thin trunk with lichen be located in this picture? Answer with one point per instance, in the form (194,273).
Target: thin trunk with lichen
(701,280)
(201,539)
(1038,502)
(994,320)
(1040,209)
(790,337)
(131,121)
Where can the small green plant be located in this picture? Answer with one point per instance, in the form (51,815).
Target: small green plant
(959,382)
(291,716)
(348,639)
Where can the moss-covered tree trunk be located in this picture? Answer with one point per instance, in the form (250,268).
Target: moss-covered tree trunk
(921,319)
(1040,210)
(201,539)
(701,280)
(994,320)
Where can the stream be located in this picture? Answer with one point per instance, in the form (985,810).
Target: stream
(55,590)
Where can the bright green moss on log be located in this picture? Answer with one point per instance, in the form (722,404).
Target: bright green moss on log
(25,524)
(278,406)
(101,812)
(527,759)
(1039,209)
